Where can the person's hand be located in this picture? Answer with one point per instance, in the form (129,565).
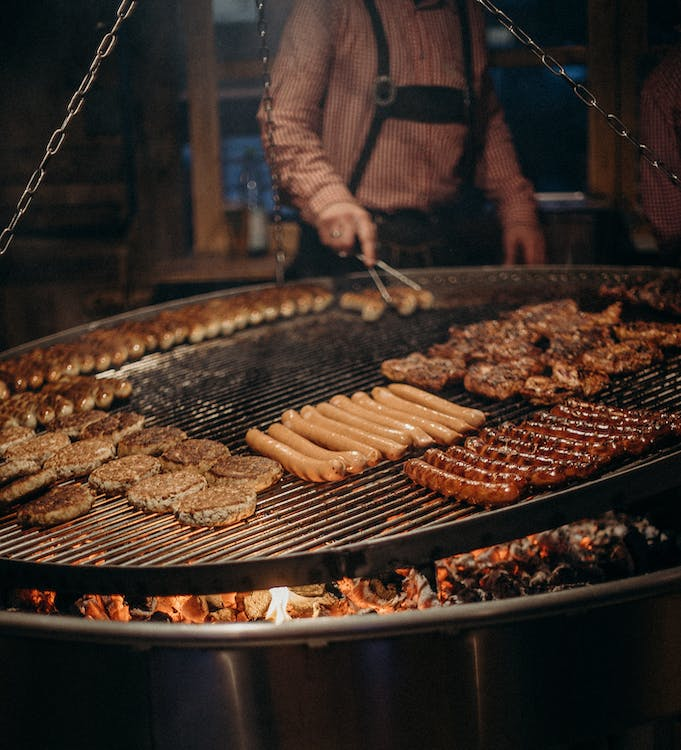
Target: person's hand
(525,242)
(341,225)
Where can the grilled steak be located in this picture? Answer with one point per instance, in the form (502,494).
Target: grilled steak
(624,357)
(500,380)
(431,373)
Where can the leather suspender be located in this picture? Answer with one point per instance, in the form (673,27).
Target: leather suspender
(383,94)
(417,103)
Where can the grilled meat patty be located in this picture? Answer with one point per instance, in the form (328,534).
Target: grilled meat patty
(58,505)
(115,477)
(196,453)
(152,441)
(219,505)
(263,472)
(161,493)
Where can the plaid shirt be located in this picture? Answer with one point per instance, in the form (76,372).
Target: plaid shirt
(661,132)
(322,92)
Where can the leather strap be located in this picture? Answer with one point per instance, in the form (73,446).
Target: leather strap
(430,104)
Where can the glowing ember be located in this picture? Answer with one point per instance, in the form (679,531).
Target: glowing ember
(591,551)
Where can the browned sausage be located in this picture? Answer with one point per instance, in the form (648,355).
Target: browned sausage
(544,472)
(305,467)
(459,487)
(472,470)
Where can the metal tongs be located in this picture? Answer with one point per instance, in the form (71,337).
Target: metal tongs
(378,281)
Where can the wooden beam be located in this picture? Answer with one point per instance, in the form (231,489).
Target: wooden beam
(633,46)
(603,170)
(211,233)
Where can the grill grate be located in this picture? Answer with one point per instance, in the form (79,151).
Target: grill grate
(301,532)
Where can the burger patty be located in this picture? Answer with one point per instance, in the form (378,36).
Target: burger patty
(152,441)
(27,457)
(263,472)
(57,505)
(161,493)
(194,453)
(117,476)
(219,505)
(14,435)
(81,458)
(73,424)
(114,427)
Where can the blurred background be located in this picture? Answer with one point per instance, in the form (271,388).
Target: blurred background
(147,198)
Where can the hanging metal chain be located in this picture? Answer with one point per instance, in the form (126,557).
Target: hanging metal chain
(580,91)
(270,147)
(74,106)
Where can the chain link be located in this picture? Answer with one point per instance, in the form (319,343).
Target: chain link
(270,146)
(73,108)
(580,91)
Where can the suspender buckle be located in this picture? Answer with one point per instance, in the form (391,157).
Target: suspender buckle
(385,91)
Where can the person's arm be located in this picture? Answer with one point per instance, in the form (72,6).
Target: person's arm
(299,81)
(661,132)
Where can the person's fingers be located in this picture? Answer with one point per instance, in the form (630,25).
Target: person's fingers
(366,234)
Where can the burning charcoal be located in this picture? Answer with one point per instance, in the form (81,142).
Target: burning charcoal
(501,584)
(159,616)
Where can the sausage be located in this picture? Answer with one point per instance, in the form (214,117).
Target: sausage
(543,472)
(54,405)
(595,438)
(391,449)
(305,467)
(471,470)
(416,431)
(331,411)
(474,417)
(329,438)
(558,448)
(609,418)
(569,463)
(656,426)
(387,397)
(459,487)
(415,436)
(17,382)
(354,461)
(461,453)
(437,431)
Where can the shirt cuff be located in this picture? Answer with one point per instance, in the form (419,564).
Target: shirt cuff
(337,193)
